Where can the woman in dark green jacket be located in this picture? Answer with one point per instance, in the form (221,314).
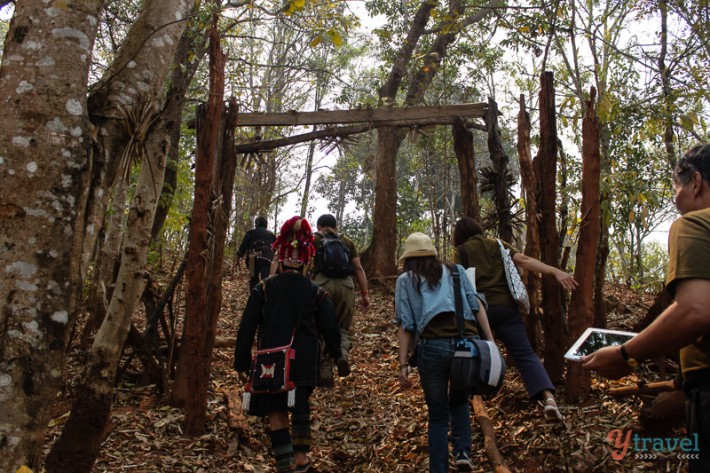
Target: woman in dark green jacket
(473,249)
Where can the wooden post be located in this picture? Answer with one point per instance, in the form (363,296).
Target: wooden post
(532,236)
(581,309)
(501,174)
(465,157)
(545,165)
(194,380)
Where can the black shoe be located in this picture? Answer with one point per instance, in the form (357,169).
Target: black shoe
(463,462)
(326,382)
(343,367)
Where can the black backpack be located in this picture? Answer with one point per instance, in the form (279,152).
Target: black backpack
(333,257)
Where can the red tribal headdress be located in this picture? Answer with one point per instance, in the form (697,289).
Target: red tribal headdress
(295,242)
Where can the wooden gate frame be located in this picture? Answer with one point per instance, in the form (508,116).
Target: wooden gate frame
(357,121)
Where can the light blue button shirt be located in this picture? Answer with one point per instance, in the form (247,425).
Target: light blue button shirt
(415,309)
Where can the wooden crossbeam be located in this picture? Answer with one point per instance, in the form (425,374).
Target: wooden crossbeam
(334,132)
(375,116)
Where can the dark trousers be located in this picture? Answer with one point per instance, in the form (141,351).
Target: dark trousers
(260,271)
(508,326)
(697,418)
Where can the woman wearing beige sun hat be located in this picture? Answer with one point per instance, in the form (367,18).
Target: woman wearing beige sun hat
(424,304)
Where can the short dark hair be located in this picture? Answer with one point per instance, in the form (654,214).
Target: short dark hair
(695,159)
(260,222)
(465,228)
(327,220)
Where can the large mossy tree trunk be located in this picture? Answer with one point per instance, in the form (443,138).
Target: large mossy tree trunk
(45,167)
(80,441)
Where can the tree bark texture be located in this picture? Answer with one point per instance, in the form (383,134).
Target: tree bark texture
(223,185)
(193,44)
(45,163)
(532,236)
(199,326)
(466,159)
(545,165)
(105,265)
(121,100)
(501,174)
(71,452)
(581,310)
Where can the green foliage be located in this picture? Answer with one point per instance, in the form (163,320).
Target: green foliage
(654,258)
(326,19)
(349,190)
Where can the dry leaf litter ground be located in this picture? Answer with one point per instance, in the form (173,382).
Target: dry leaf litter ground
(367,423)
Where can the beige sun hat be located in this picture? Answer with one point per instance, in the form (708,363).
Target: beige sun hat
(418,245)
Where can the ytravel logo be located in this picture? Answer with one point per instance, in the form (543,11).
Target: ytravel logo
(647,448)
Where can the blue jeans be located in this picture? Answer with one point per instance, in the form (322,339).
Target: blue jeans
(445,405)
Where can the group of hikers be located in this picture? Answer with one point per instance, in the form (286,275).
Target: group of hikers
(303,295)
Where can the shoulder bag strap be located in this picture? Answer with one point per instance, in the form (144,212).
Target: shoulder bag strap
(457,300)
(463,259)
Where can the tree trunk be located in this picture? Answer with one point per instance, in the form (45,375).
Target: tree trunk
(192,45)
(666,87)
(501,174)
(193,365)
(308,177)
(222,185)
(45,145)
(80,442)
(532,237)
(379,258)
(132,85)
(106,264)
(545,165)
(466,159)
(581,310)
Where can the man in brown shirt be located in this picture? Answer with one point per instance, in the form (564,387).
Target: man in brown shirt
(685,324)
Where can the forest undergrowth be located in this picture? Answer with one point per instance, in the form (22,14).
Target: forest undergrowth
(367,422)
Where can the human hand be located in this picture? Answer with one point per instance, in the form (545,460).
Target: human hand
(607,362)
(566,280)
(404,380)
(365,301)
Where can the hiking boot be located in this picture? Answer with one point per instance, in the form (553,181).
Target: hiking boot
(463,462)
(327,381)
(343,366)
